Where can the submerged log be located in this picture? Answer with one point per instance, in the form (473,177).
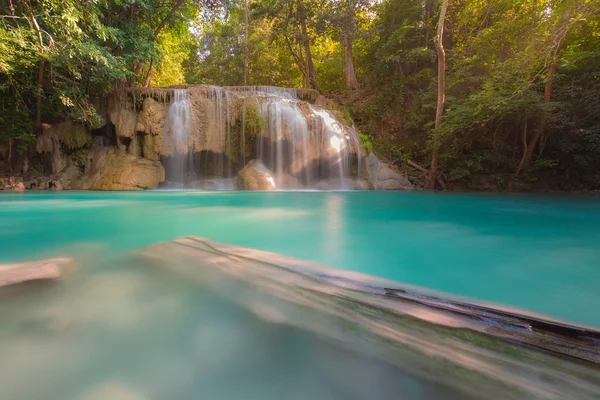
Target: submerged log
(509,352)
(42,270)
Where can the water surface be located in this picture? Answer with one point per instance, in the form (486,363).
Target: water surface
(536,252)
(152,324)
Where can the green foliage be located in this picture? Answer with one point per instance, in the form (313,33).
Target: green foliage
(68,53)
(366,141)
(499,58)
(254,123)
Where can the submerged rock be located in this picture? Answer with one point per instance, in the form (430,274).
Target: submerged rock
(384,176)
(112,169)
(255,176)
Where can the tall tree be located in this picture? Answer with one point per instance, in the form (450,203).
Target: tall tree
(246,40)
(568,14)
(441,93)
(342,16)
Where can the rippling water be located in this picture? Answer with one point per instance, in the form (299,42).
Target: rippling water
(118,327)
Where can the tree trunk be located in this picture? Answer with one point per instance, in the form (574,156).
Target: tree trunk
(349,70)
(441,94)
(38,91)
(246,12)
(40,77)
(539,130)
(310,67)
(299,59)
(9,158)
(428,12)
(149,74)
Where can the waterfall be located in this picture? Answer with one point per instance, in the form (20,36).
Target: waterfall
(337,142)
(302,144)
(177,128)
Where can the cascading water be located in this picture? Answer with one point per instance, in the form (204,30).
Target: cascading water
(334,138)
(177,128)
(300,143)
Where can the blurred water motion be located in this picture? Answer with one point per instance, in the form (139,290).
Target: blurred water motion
(156,323)
(540,253)
(120,329)
(195,319)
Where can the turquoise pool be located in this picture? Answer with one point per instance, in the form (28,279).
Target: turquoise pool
(537,252)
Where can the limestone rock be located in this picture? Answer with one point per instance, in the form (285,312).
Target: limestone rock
(66,134)
(385,177)
(255,176)
(111,169)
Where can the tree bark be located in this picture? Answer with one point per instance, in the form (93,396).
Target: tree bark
(246,55)
(349,70)
(539,130)
(9,158)
(427,17)
(310,67)
(149,74)
(441,94)
(40,77)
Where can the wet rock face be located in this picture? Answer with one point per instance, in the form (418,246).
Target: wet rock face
(384,176)
(109,168)
(12,183)
(255,176)
(290,130)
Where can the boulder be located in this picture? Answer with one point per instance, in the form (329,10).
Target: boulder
(384,176)
(255,176)
(109,168)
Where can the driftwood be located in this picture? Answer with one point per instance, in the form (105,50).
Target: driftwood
(424,170)
(50,269)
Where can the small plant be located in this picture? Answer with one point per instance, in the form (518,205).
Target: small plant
(500,181)
(348,115)
(366,142)
(254,122)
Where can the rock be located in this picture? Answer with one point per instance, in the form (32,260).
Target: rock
(212,184)
(112,169)
(255,176)
(50,269)
(68,175)
(55,185)
(288,182)
(203,185)
(66,134)
(385,177)
(19,187)
(345,184)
